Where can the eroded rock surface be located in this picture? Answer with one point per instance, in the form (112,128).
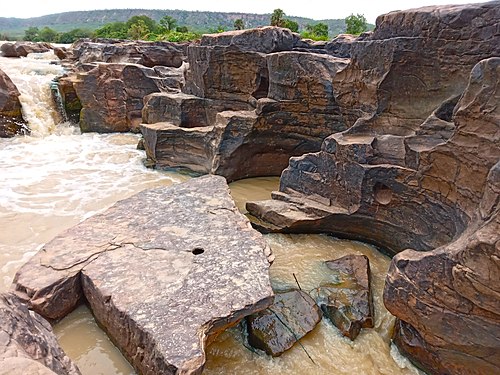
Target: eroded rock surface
(22,49)
(164,272)
(11,118)
(422,178)
(347,300)
(27,343)
(277,328)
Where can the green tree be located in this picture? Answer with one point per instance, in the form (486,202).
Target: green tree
(147,22)
(239,24)
(168,23)
(356,24)
(115,30)
(292,25)
(47,35)
(182,29)
(278,18)
(31,34)
(318,31)
(73,35)
(138,30)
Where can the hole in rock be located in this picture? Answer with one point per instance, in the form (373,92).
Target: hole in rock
(445,110)
(382,193)
(263,88)
(198,251)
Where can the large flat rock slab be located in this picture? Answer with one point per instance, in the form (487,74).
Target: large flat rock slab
(164,272)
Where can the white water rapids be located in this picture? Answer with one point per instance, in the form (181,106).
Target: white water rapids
(57,177)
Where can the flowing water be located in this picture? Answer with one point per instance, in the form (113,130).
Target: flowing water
(55,178)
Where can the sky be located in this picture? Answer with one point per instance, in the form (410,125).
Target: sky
(315,9)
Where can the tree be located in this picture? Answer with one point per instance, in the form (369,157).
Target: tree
(147,22)
(182,29)
(115,30)
(318,31)
(73,35)
(239,24)
(356,24)
(138,30)
(278,18)
(31,34)
(47,35)
(292,25)
(168,23)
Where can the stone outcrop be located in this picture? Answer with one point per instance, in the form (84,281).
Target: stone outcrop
(258,101)
(22,49)
(277,328)
(347,300)
(111,95)
(27,343)
(149,54)
(164,272)
(417,170)
(11,118)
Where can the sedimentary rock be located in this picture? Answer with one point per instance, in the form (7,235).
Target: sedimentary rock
(111,95)
(27,343)
(164,272)
(277,328)
(347,301)
(22,49)
(418,170)
(149,54)
(11,118)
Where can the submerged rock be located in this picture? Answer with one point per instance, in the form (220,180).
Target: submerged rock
(164,272)
(27,343)
(277,328)
(22,49)
(347,301)
(11,118)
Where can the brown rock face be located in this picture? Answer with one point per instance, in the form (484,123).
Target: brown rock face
(22,49)
(418,170)
(164,272)
(277,328)
(149,54)
(27,343)
(11,118)
(347,301)
(111,95)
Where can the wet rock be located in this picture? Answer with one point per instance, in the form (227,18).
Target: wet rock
(69,98)
(61,52)
(277,328)
(149,54)
(27,343)
(193,259)
(11,118)
(347,301)
(22,49)
(111,95)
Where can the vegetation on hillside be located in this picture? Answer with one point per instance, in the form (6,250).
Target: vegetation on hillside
(356,24)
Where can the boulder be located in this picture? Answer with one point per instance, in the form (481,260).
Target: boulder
(71,103)
(111,95)
(11,118)
(27,343)
(149,54)
(22,49)
(277,328)
(164,272)
(340,46)
(347,301)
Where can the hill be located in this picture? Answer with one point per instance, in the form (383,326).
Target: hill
(195,20)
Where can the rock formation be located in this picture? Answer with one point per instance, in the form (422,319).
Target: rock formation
(347,300)
(276,329)
(417,169)
(11,118)
(164,272)
(27,343)
(22,49)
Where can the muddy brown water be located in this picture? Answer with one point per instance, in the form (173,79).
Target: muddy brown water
(56,178)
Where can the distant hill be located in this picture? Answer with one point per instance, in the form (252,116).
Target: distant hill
(196,21)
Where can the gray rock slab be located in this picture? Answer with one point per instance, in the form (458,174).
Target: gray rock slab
(164,272)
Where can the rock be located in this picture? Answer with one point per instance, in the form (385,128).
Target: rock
(164,272)
(347,301)
(61,52)
(11,118)
(149,54)
(27,343)
(340,46)
(22,49)
(69,98)
(111,95)
(437,194)
(277,328)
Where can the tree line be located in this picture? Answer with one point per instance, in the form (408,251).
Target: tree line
(145,28)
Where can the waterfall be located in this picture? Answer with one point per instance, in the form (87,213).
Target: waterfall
(34,76)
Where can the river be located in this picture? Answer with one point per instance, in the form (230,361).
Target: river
(57,177)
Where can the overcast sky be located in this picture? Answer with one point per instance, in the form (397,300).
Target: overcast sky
(316,9)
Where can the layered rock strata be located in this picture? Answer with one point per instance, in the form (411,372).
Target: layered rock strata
(164,272)
(11,118)
(418,169)
(27,343)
